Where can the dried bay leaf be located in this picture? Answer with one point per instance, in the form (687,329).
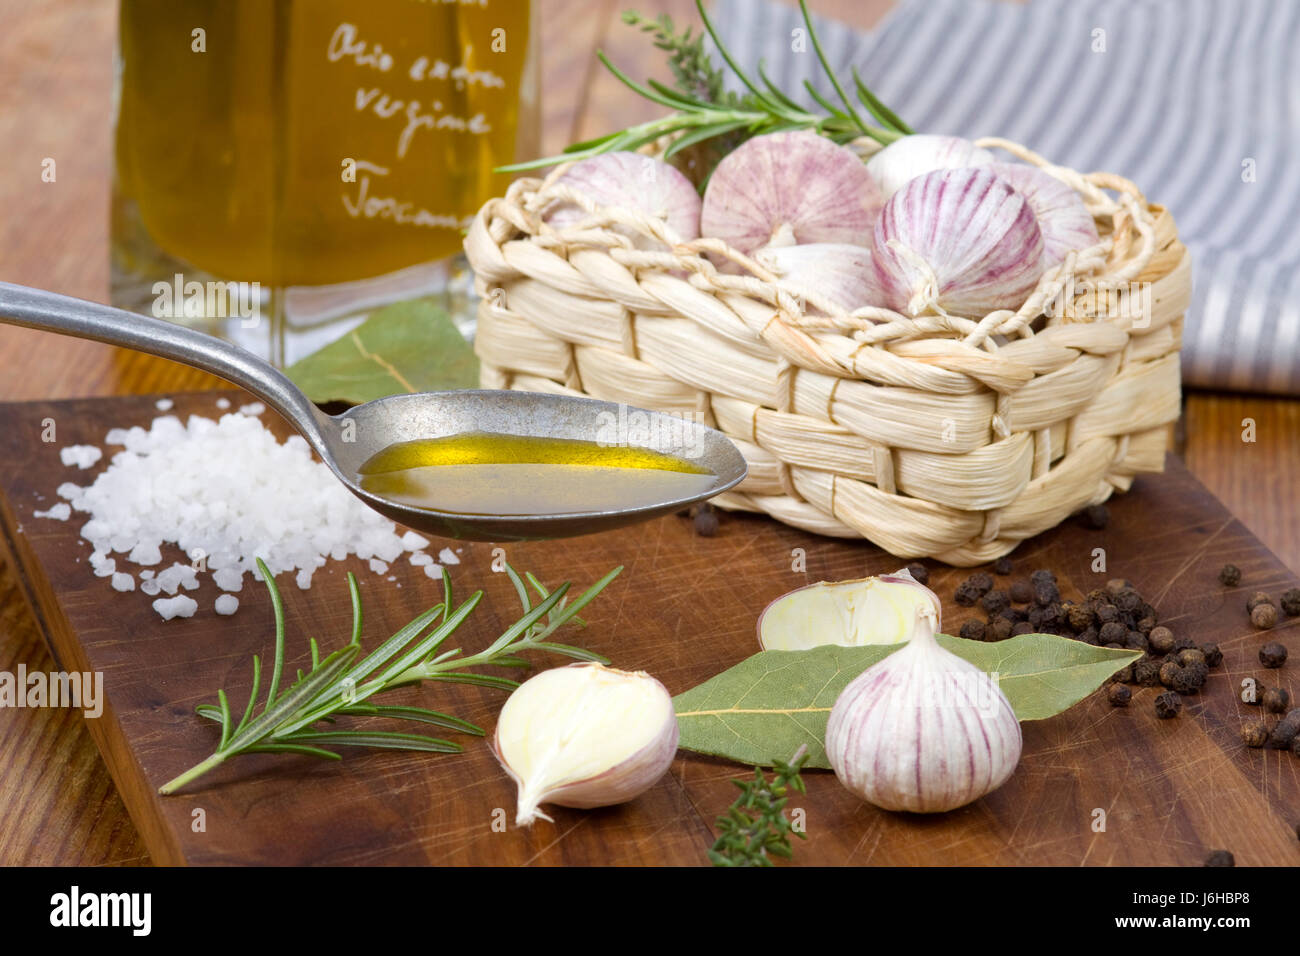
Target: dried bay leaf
(769,704)
(406,347)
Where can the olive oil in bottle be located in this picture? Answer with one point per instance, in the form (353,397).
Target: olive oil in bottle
(483,473)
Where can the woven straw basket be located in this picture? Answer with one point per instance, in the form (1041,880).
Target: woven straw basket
(938,436)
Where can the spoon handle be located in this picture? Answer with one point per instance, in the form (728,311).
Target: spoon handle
(51,312)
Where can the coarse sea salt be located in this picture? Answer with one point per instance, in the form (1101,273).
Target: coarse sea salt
(164,404)
(83,456)
(226,605)
(123,581)
(227,490)
(60,512)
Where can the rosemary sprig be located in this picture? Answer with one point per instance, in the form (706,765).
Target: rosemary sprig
(756,825)
(341,683)
(702,110)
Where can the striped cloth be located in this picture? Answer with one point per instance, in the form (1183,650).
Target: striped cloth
(1196,101)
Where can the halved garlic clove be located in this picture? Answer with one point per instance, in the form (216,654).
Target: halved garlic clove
(923,730)
(630,181)
(586,735)
(838,273)
(911,156)
(788,188)
(879,610)
(1064,220)
(961,241)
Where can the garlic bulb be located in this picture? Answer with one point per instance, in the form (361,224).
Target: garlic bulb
(905,159)
(585,735)
(840,273)
(960,241)
(631,181)
(790,188)
(923,730)
(1064,220)
(879,610)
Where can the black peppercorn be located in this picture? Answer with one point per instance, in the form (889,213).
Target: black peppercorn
(1035,616)
(1046,592)
(995,602)
(1256,599)
(1220,858)
(1254,733)
(973,630)
(1213,656)
(982,581)
(1276,700)
(1098,596)
(1119,695)
(1097,516)
(1291,602)
(1272,654)
(1113,633)
(1230,576)
(1124,675)
(1002,566)
(1115,585)
(1263,616)
(1022,592)
(1014,614)
(1136,640)
(1147,624)
(1190,679)
(1106,613)
(1183,644)
(1170,672)
(1146,673)
(1089,635)
(1168,705)
(1285,730)
(1024,627)
(965,595)
(706,523)
(1042,574)
(1080,617)
(1128,601)
(999,630)
(1191,654)
(919,572)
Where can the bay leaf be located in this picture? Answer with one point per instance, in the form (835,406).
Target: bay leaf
(770,704)
(406,347)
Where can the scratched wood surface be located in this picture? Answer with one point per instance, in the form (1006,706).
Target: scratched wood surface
(684,609)
(60,806)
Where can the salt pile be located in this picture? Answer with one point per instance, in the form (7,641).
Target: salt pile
(225,492)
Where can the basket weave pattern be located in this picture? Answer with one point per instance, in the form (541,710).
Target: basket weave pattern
(938,436)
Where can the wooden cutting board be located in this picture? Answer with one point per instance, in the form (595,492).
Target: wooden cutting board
(684,609)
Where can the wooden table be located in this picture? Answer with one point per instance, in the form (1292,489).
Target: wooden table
(57,803)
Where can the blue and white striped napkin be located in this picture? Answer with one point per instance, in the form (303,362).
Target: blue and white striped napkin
(1196,101)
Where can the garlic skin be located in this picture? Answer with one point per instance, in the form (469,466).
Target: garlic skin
(905,159)
(586,735)
(959,241)
(1064,220)
(838,272)
(923,730)
(880,610)
(786,189)
(630,181)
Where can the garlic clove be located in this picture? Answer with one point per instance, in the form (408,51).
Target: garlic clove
(879,610)
(586,735)
(837,273)
(790,188)
(923,730)
(911,156)
(1064,220)
(959,241)
(630,181)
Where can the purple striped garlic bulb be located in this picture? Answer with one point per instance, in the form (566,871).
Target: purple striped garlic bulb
(959,241)
(923,730)
(911,156)
(1064,220)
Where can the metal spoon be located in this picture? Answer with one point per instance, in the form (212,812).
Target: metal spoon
(345,441)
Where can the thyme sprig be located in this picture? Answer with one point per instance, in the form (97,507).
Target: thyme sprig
(755,828)
(341,683)
(702,110)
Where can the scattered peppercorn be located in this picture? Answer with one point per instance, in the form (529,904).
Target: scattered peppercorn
(1042,574)
(1213,655)
(1191,679)
(995,602)
(706,521)
(919,572)
(1263,616)
(1002,566)
(965,595)
(1272,654)
(1115,585)
(1089,636)
(1168,705)
(1136,640)
(1147,624)
(1276,700)
(1291,602)
(1024,627)
(1146,673)
(1098,516)
(1230,576)
(1124,675)
(1183,644)
(1021,592)
(1113,633)
(1106,613)
(1128,601)
(1080,617)
(1254,733)
(1191,654)
(1256,599)
(1220,858)
(1119,695)
(1000,629)
(1046,592)
(1169,672)
(973,630)
(1114,646)
(1015,614)
(1285,730)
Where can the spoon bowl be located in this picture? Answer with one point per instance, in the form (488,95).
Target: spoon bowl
(344,442)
